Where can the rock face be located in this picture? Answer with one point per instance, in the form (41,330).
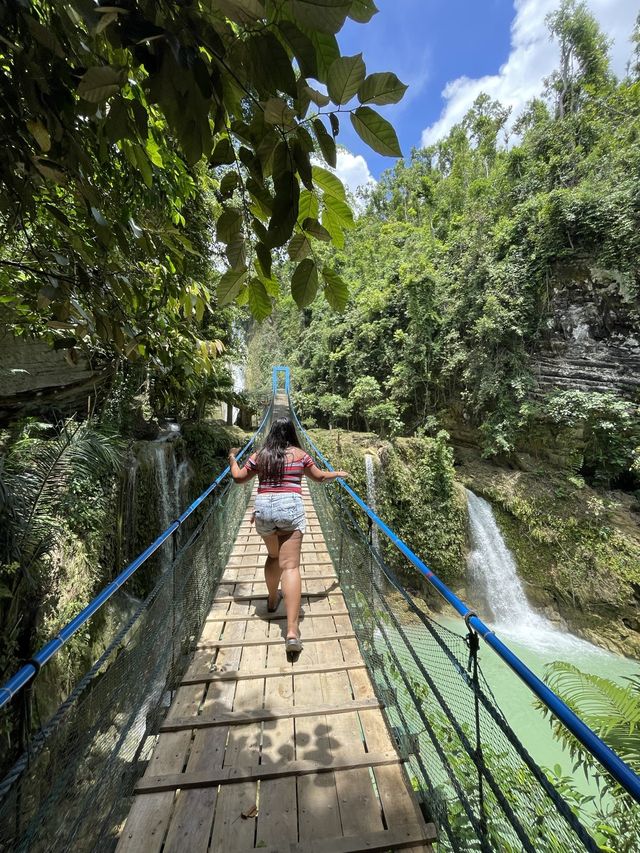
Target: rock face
(591,336)
(35,379)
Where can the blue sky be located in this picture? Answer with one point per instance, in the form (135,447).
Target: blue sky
(449,51)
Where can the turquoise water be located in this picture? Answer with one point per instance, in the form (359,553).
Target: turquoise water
(515,698)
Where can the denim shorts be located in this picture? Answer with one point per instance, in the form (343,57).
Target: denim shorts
(279,513)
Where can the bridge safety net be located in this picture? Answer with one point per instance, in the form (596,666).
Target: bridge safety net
(473,776)
(71,789)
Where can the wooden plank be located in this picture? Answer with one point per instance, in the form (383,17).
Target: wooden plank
(230,831)
(256,575)
(147,822)
(258,715)
(231,775)
(360,810)
(385,840)
(271,672)
(269,617)
(318,811)
(277,818)
(224,644)
(397,798)
(254,596)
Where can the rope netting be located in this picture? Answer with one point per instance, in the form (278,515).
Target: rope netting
(71,789)
(472,774)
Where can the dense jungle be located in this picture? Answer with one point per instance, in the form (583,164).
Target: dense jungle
(470,321)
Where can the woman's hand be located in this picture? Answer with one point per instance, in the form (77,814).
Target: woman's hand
(234,451)
(342,474)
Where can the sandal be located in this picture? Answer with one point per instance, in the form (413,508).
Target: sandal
(273,609)
(293,645)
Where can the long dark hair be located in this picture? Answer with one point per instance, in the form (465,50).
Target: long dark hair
(272,457)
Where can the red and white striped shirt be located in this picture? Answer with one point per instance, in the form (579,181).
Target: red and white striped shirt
(292,476)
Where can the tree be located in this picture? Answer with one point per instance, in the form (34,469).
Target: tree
(118,119)
(584,56)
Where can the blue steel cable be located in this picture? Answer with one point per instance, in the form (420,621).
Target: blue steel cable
(612,762)
(27,672)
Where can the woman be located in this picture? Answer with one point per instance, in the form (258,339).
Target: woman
(279,514)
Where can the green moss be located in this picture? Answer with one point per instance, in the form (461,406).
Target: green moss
(416,496)
(207,446)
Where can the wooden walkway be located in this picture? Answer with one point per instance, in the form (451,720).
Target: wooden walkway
(256,752)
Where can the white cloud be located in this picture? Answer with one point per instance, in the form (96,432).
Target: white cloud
(533,57)
(353,170)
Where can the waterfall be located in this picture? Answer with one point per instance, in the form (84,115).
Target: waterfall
(371,496)
(373,503)
(495,584)
(166,482)
(127,513)
(237,374)
(183,477)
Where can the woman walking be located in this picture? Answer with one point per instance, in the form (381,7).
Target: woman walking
(279,514)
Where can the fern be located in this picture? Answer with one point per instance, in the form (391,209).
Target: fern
(610,709)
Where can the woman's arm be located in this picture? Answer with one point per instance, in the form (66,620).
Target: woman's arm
(320,476)
(239,474)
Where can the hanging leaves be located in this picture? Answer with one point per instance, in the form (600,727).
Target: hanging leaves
(304,283)
(346,75)
(376,132)
(99,83)
(381,88)
(336,291)
(230,284)
(170,114)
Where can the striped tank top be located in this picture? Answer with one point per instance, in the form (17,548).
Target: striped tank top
(292,479)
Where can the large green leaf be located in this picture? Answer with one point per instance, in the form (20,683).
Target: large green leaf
(333,226)
(327,51)
(304,283)
(340,210)
(313,227)
(270,65)
(345,78)
(264,259)
(309,206)
(329,183)
(362,11)
(336,291)
(376,132)
(318,98)
(302,48)
(276,111)
(259,300)
(223,153)
(299,247)
(229,224)
(382,88)
(326,16)
(100,82)
(242,11)
(230,285)
(326,142)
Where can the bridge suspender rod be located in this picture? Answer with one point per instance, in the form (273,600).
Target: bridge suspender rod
(27,672)
(620,771)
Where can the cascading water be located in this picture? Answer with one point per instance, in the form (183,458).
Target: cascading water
(237,374)
(127,515)
(166,480)
(371,495)
(372,502)
(495,584)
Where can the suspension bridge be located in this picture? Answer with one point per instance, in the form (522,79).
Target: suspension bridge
(192,731)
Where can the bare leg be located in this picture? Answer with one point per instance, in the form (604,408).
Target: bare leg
(289,557)
(272,569)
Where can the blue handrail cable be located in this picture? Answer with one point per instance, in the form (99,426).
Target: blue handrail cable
(620,771)
(30,669)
